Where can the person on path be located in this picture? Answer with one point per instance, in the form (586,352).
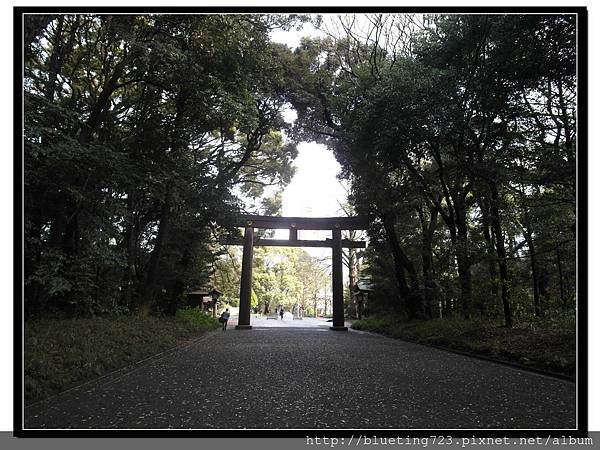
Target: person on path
(281,313)
(224,318)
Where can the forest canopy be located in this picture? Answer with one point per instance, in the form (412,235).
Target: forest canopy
(458,135)
(145,134)
(142,132)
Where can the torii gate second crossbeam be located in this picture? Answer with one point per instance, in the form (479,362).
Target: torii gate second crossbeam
(335,224)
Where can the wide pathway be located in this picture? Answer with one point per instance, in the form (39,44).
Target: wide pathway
(305,376)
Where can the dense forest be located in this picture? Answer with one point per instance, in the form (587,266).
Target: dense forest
(141,133)
(144,134)
(458,135)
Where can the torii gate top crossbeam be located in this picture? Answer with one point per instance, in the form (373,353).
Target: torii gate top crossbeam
(303,223)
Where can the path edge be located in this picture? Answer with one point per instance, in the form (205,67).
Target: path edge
(550,374)
(125,369)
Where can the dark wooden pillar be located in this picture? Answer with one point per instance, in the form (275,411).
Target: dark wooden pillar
(246,283)
(337,280)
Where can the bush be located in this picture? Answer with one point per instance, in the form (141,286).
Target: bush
(198,318)
(544,344)
(61,352)
(380,324)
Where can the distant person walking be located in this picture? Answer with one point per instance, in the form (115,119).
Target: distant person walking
(281,313)
(224,318)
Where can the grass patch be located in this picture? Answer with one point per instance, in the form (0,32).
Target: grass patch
(547,348)
(62,352)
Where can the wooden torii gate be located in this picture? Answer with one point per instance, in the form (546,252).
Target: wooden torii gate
(335,224)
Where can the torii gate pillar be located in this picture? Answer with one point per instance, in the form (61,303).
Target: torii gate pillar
(337,281)
(246,282)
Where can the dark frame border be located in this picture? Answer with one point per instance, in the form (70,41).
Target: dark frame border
(582,225)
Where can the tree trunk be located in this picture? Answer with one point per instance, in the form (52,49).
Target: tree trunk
(395,249)
(70,241)
(179,285)
(352,270)
(534,270)
(563,298)
(33,247)
(462,257)
(431,297)
(412,302)
(488,236)
(161,238)
(501,252)
(164,227)
(130,237)
(95,119)
(456,220)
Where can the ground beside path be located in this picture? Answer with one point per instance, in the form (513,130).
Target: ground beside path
(299,374)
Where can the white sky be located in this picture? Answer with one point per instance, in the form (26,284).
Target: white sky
(314,191)
(292,38)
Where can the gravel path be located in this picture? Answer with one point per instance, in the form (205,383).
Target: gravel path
(310,377)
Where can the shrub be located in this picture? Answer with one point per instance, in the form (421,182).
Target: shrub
(198,318)
(547,344)
(60,352)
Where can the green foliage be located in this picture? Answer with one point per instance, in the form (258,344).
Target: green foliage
(457,152)
(288,277)
(197,318)
(61,352)
(546,347)
(142,132)
(281,276)
(253,299)
(380,324)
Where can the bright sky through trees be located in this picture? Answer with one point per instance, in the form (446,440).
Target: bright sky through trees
(314,191)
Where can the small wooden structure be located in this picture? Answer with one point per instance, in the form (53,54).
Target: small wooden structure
(196,298)
(359,290)
(204,299)
(293,224)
